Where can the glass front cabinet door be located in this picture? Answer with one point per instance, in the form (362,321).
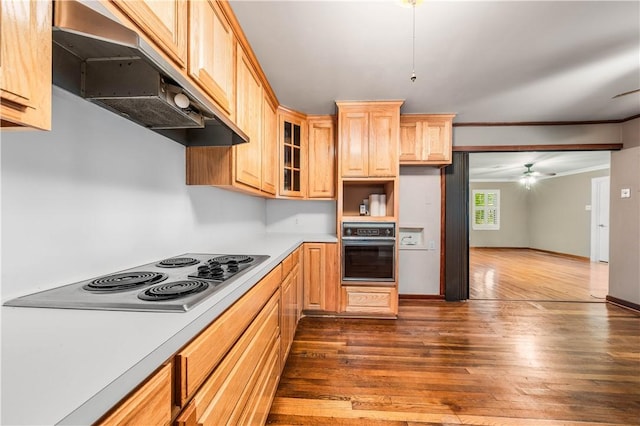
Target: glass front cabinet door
(292,160)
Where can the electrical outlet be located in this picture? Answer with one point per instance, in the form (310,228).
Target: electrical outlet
(625,193)
(432,245)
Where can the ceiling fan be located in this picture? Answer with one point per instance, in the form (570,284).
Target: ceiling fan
(529,176)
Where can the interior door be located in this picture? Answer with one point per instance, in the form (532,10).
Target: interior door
(600,219)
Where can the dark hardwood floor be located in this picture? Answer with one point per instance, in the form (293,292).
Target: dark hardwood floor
(525,274)
(479,362)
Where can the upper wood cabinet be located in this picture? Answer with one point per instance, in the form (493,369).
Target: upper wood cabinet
(25,64)
(269,146)
(249,119)
(321,170)
(426,139)
(164,21)
(211,52)
(293,150)
(368,138)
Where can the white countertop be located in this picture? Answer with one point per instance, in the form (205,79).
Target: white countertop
(70,366)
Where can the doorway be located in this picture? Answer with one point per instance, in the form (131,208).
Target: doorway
(543,247)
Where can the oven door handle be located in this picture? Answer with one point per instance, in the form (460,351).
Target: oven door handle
(351,241)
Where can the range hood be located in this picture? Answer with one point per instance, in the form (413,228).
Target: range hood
(101,60)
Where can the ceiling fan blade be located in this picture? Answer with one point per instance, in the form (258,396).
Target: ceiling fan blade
(619,95)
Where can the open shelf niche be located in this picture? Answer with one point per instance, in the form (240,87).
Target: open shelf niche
(354,191)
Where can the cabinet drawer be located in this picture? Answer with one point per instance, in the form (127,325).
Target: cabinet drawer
(259,403)
(287,265)
(149,405)
(370,300)
(224,394)
(196,361)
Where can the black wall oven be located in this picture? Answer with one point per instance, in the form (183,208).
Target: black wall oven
(368,252)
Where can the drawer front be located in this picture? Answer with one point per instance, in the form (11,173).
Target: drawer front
(370,300)
(287,264)
(149,405)
(196,361)
(259,403)
(225,392)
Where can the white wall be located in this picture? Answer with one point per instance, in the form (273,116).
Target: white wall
(558,219)
(514,217)
(307,217)
(99,194)
(536,135)
(624,255)
(420,197)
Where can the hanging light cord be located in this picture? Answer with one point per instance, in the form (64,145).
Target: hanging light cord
(413,73)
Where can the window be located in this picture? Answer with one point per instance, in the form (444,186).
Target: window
(486,209)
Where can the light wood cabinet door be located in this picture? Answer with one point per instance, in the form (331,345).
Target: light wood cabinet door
(25,64)
(410,149)
(148,405)
(163,21)
(383,142)
(354,143)
(426,139)
(269,146)
(322,158)
(287,316)
(300,283)
(437,140)
(292,128)
(211,50)
(249,119)
(368,138)
(320,277)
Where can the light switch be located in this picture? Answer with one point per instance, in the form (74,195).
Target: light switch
(625,193)
(587,208)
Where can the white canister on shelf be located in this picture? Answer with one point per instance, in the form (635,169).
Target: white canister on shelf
(382,207)
(374,204)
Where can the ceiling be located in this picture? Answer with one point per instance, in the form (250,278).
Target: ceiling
(509,166)
(485,61)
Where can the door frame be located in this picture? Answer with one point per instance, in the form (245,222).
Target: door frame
(455,261)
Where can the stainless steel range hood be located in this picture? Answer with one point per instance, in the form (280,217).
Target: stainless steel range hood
(101,60)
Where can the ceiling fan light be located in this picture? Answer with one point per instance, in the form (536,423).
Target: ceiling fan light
(527,181)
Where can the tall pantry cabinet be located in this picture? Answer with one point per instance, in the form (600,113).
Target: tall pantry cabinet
(368,164)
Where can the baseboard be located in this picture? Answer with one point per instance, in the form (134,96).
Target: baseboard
(555,253)
(571,256)
(623,303)
(421,296)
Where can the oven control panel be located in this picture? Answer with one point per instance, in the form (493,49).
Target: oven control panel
(369,230)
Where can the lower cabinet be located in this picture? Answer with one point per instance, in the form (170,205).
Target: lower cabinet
(229,373)
(370,301)
(150,404)
(321,283)
(289,302)
(224,397)
(196,361)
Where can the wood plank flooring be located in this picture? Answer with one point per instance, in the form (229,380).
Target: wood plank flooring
(479,362)
(524,274)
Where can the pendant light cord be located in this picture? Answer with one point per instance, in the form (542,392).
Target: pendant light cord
(413,73)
